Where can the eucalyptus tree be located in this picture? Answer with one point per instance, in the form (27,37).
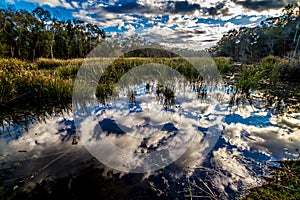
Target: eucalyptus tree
(30,35)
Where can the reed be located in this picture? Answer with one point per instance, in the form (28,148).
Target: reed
(22,83)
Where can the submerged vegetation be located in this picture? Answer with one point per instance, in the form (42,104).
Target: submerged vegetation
(282,183)
(50,81)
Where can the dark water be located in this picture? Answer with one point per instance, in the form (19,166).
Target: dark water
(42,163)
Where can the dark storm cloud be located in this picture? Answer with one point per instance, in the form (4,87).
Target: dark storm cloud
(261,5)
(216,9)
(185,7)
(190,32)
(172,7)
(132,8)
(219,9)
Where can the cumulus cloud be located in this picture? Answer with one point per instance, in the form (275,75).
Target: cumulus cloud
(130,30)
(199,36)
(232,166)
(52,3)
(177,23)
(183,20)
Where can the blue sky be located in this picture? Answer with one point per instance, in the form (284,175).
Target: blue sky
(194,24)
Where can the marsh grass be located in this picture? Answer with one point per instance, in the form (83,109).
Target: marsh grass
(166,94)
(50,81)
(45,63)
(26,90)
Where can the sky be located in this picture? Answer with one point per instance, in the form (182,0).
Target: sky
(192,24)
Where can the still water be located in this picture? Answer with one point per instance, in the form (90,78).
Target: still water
(205,147)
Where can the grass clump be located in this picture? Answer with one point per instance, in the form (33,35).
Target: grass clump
(224,64)
(248,80)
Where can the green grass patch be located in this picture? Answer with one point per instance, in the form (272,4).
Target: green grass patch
(283,183)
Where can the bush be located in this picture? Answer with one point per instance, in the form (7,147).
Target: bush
(224,64)
(271,67)
(283,183)
(289,71)
(67,72)
(269,62)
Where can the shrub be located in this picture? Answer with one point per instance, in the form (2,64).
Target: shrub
(271,66)
(283,183)
(289,72)
(269,62)
(224,64)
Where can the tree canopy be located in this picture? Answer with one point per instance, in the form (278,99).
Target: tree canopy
(278,36)
(30,35)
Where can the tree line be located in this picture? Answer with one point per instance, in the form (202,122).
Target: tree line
(278,36)
(31,35)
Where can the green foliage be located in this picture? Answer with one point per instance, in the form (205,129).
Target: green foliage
(269,61)
(249,80)
(104,92)
(283,183)
(29,36)
(67,72)
(224,64)
(166,94)
(277,69)
(20,81)
(276,36)
(43,63)
(289,72)
(271,67)
(15,65)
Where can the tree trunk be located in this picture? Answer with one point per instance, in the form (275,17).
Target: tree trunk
(51,50)
(12,50)
(33,54)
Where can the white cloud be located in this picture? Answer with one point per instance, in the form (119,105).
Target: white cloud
(75,4)
(82,15)
(130,30)
(230,26)
(230,166)
(52,3)
(121,24)
(188,34)
(253,19)
(186,22)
